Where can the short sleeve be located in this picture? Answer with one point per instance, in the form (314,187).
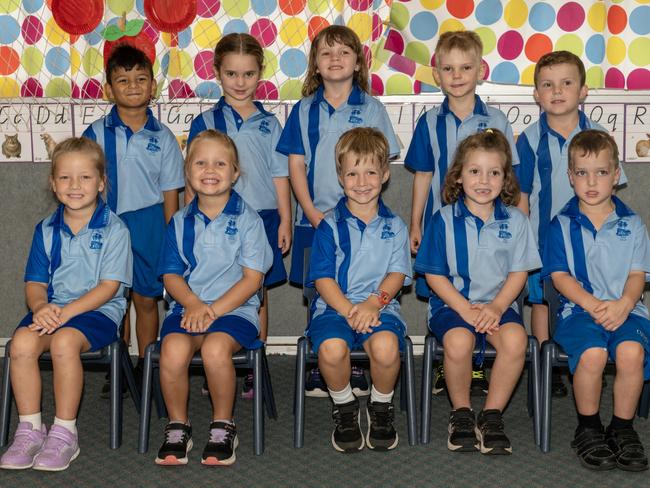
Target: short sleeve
(279,161)
(400,259)
(322,263)
(255,253)
(554,255)
(526,256)
(38,263)
(419,156)
(291,138)
(432,255)
(171,261)
(641,251)
(511,140)
(385,126)
(196,127)
(171,175)
(117,261)
(525,170)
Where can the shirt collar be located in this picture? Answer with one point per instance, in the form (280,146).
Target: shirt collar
(544,128)
(113,120)
(342,212)
(98,220)
(500,209)
(234,206)
(222,103)
(356,97)
(480,108)
(572,208)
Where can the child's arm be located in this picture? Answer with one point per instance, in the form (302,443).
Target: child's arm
(239,293)
(445,290)
(197,315)
(331,293)
(44,315)
(421,185)
(612,313)
(571,289)
(365,315)
(298,175)
(524,203)
(284,209)
(490,313)
(170,204)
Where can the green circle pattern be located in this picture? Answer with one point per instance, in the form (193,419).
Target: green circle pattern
(418,52)
(488,38)
(291,90)
(236,8)
(32,60)
(318,6)
(398,85)
(570,42)
(92,61)
(58,87)
(120,6)
(270,65)
(399,16)
(595,76)
(639,51)
(8,6)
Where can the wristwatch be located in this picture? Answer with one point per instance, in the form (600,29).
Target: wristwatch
(383,296)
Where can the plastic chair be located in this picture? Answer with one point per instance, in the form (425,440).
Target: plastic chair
(433,350)
(254,359)
(552,356)
(115,355)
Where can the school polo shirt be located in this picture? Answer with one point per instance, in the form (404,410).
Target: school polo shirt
(141,165)
(600,260)
(313,129)
(73,264)
(358,255)
(210,254)
(476,256)
(543,167)
(256,139)
(437,135)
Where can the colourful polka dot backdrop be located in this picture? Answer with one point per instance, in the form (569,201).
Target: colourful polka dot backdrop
(39,59)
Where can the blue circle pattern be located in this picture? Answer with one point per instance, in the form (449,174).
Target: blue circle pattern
(9,29)
(264,7)
(164,64)
(424,26)
(31,6)
(489,11)
(57,61)
(640,20)
(595,48)
(208,89)
(95,36)
(236,26)
(505,72)
(185,38)
(139,4)
(293,62)
(541,16)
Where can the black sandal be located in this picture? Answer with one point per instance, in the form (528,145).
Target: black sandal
(592,449)
(627,447)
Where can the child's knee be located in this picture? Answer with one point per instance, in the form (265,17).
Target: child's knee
(383,349)
(25,344)
(513,341)
(593,360)
(217,353)
(175,353)
(629,357)
(333,351)
(67,342)
(458,344)
(144,304)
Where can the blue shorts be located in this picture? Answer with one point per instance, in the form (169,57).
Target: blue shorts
(277,273)
(147,229)
(535,287)
(579,332)
(332,325)
(235,326)
(422,287)
(446,319)
(303,237)
(97,328)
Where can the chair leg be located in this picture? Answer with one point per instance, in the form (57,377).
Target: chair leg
(258,412)
(299,394)
(547,365)
(161,408)
(644,401)
(116,395)
(402,385)
(427,383)
(145,400)
(7,397)
(128,374)
(269,397)
(534,379)
(409,385)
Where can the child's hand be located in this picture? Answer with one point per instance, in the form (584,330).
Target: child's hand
(470,314)
(197,317)
(284,236)
(488,317)
(363,316)
(415,237)
(46,319)
(314,217)
(612,313)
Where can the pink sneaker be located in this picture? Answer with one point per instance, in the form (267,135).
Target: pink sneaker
(27,442)
(60,449)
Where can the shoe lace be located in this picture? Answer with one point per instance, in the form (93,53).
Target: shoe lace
(478,374)
(492,422)
(221,435)
(462,422)
(382,417)
(357,371)
(174,436)
(345,419)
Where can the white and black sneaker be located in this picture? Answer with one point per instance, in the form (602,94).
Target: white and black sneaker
(178,442)
(462,435)
(347,436)
(489,429)
(221,446)
(381,434)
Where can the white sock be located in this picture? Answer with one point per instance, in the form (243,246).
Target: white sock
(34,419)
(71,425)
(377,396)
(343,396)
(229,421)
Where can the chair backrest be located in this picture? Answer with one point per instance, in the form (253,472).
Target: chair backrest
(308,289)
(552,299)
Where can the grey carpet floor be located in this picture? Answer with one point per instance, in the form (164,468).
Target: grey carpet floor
(317,464)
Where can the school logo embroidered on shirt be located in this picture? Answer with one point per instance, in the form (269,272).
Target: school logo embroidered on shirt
(355,117)
(503,232)
(153,144)
(481,126)
(96,241)
(622,231)
(386,232)
(231,228)
(264,127)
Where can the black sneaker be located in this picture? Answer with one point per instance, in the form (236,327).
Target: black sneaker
(358,382)
(592,449)
(462,435)
(627,447)
(381,433)
(315,385)
(489,430)
(220,449)
(347,436)
(106,388)
(178,442)
(558,388)
(479,385)
(439,385)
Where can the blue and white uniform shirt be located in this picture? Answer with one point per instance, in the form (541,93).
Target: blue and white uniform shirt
(140,165)
(543,170)
(256,139)
(437,135)
(600,260)
(73,264)
(211,254)
(359,256)
(476,256)
(313,129)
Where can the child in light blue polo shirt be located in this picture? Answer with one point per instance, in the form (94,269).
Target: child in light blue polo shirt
(476,254)
(359,262)
(213,264)
(597,253)
(145,170)
(78,269)
(559,89)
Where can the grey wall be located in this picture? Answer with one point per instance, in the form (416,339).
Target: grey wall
(26,197)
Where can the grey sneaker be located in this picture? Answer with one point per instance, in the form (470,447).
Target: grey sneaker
(27,442)
(60,449)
